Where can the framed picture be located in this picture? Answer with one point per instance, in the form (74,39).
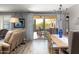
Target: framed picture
(20,24)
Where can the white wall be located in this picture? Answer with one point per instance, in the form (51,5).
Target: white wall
(73,21)
(74,18)
(29,25)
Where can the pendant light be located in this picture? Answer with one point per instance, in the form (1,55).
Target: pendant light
(60,11)
(60,16)
(60,21)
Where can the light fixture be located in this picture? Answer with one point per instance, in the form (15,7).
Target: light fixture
(60,31)
(67,21)
(60,16)
(14,19)
(67,14)
(60,10)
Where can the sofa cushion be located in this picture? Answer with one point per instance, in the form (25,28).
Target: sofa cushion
(4,44)
(3,33)
(5,47)
(13,40)
(7,37)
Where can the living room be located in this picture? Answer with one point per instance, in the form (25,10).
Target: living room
(53,26)
(33,29)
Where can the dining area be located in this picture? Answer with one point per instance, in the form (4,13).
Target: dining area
(57,44)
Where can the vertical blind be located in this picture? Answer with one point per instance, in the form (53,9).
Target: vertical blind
(4,22)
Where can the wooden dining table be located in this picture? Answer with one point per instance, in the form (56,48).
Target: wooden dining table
(60,42)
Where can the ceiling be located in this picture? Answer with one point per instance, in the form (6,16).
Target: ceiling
(32,7)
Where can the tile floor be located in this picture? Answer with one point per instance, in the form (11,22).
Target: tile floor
(37,47)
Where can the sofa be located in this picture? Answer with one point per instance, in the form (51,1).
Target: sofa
(12,40)
(3,33)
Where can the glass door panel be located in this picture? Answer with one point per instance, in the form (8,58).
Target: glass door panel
(39,24)
(50,25)
(38,28)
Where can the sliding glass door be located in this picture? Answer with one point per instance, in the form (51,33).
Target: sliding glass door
(39,25)
(44,23)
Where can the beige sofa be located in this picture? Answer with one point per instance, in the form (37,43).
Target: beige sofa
(12,40)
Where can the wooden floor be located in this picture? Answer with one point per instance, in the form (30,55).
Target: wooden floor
(39,46)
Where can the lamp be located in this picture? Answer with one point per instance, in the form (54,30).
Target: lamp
(14,20)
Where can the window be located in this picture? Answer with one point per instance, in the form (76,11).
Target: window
(4,22)
(1,22)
